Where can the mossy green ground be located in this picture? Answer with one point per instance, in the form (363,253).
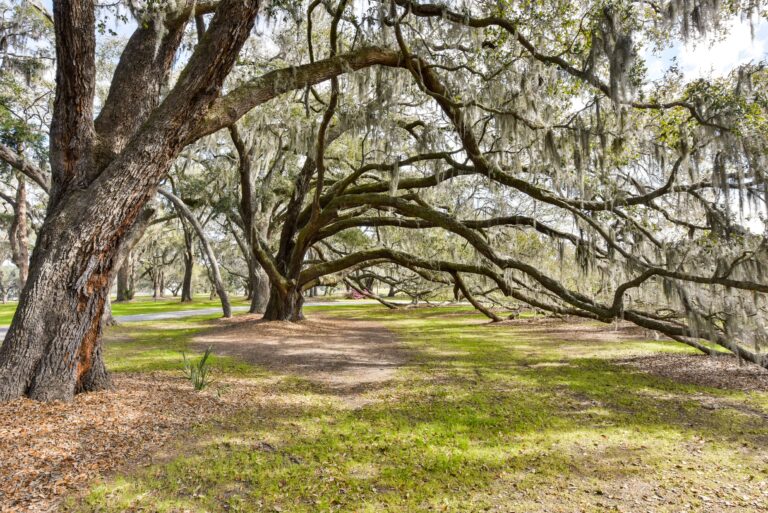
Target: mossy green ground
(481,418)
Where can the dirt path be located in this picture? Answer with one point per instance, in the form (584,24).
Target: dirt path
(724,371)
(348,356)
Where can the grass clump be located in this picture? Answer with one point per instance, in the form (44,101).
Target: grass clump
(198,372)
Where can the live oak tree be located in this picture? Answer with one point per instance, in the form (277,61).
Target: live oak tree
(105,168)
(473,122)
(638,181)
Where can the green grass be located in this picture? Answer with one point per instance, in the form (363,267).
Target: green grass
(482,418)
(146,305)
(6,313)
(158,346)
(140,305)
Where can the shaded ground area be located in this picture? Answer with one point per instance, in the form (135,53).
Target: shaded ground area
(50,450)
(349,356)
(724,372)
(367,410)
(577,336)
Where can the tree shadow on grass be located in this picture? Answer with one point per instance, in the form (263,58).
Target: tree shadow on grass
(475,421)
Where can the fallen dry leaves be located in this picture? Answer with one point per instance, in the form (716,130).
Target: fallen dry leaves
(724,371)
(48,450)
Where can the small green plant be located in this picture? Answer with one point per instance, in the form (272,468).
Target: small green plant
(198,373)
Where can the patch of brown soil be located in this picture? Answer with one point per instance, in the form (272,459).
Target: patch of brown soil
(573,329)
(723,372)
(50,449)
(349,356)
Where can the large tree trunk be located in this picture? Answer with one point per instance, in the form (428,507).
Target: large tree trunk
(19,232)
(102,174)
(260,290)
(284,307)
(52,349)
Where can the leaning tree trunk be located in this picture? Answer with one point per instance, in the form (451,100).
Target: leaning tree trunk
(52,349)
(218,283)
(102,173)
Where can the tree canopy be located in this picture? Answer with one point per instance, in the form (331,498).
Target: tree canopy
(516,154)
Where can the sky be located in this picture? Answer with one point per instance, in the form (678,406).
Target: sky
(697,59)
(704,58)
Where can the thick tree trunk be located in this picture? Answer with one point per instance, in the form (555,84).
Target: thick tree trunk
(286,307)
(102,176)
(52,349)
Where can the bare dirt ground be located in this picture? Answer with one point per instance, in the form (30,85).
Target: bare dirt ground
(725,372)
(347,356)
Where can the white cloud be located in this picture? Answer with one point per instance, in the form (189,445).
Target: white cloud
(708,58)
(714,56)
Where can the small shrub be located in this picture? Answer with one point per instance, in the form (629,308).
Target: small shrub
(198,373)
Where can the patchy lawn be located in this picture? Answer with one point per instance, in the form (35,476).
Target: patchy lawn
(452,414)
(478,417)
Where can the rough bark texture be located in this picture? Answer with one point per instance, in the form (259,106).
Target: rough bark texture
(52,349)
(284,307)
(104,172)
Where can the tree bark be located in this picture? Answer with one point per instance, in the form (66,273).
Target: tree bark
(189,263)
(260,291)
(125,279)
(156,283)
(284,306)
(186,286)
(104,172)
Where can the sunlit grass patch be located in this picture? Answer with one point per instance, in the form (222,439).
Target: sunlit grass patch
(481,417)
(158,346)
